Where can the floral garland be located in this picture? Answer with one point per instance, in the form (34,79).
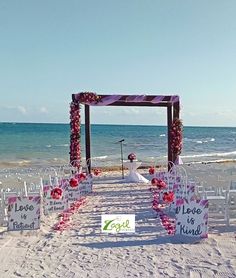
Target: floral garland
(65,216)
(176,134)
(159,184)
(88,97)
(168,223)
(75,151)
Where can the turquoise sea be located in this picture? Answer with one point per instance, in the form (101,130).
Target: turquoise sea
(35,145)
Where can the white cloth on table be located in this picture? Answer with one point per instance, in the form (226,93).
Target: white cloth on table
(134,176)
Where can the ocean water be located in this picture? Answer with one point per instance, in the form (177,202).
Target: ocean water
(38,145)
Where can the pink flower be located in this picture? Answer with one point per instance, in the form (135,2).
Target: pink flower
(131,157)
(168,197)
(56,193)
(12,200)
(160,184)
(74,182)
(179,202)
(151,170)
(97,172)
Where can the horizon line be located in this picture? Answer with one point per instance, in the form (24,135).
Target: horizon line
(113,124)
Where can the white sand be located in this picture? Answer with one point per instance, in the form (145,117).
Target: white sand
(84,251)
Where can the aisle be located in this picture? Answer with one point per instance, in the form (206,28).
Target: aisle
(84,251)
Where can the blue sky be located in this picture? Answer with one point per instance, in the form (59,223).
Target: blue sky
(51,49)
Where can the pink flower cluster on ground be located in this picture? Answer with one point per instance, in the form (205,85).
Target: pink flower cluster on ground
(167,222)
(65,216)
(74,181)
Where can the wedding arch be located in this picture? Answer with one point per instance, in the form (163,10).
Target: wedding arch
(171,102)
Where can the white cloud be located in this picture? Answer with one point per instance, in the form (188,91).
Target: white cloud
(43,110)
(21,109)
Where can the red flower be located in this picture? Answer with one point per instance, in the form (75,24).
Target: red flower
(160,184)
(168,197)
(176,133)
(89,97)
(97,172)
(151,170)
(56,193)
(82,177)
(131,157)
(74,182)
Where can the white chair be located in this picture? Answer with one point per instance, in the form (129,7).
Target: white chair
(233,185)
(219,207)
(232,204)
(4,206)
(2,209)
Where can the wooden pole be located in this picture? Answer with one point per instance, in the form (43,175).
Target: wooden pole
(121,156)
(87,137)
(169,123)
(176,110)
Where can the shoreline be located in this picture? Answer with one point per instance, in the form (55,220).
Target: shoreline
(25,165)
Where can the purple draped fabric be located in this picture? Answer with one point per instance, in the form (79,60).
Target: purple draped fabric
(107,100)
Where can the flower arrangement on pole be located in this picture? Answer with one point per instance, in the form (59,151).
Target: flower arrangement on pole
(75,149)
(132,157)
(176,137)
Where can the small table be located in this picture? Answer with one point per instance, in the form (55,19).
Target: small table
(134,176)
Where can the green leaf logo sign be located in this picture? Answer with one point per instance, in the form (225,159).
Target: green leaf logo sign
(118,223)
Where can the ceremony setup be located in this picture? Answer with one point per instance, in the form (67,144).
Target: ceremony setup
(84,220)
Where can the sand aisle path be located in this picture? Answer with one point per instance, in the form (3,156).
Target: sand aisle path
(84,251)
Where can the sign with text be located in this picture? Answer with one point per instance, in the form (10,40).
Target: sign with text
(24,213)
(85,187)
(192,218)
(51,205)
(118,223)
(73,194)
(180,192)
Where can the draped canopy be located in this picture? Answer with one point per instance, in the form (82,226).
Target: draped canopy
(171,102)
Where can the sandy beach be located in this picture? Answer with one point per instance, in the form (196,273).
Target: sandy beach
(82,250)
(118,139)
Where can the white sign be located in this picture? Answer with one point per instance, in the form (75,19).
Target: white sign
(192,218)
(85,187)
(51,205)
(73,194)
(179,190)
(118,223)
(24,213)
